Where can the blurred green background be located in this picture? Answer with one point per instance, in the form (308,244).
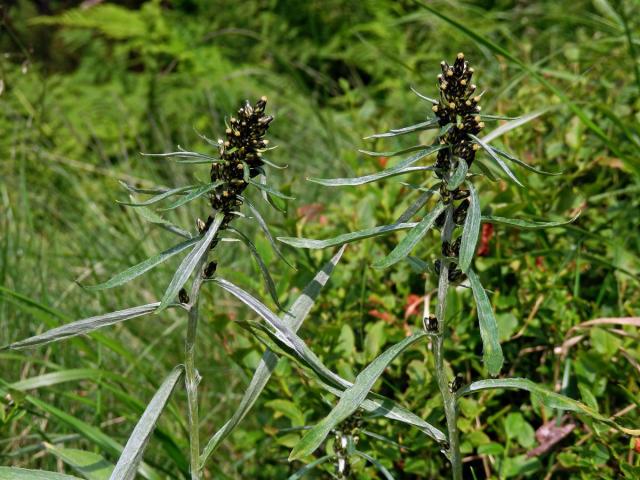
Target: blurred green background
(85,87)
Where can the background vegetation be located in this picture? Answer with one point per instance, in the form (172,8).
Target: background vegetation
(85,87)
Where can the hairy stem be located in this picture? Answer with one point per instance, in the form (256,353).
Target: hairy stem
(192,378)
(448,397)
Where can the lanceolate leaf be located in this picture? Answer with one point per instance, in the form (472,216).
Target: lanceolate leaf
(152,217)
(131,456)
(264,271)
(385,473)
(345,238)
(307,468)
(411,239)
(193,194)
(13,473)
(492,352)
(161,196)
(294,317)
(471,230)
(497,159)
(288,340)
(270,190)
(415,207)
(394,153)
(526,224)
(137,270)
(91,466)
(265,228)
(510,125)
(400,169)
(185,154)
(351,399)
(423,97)
(547,397)
(190,262)
(394,132)
(525,165)
(83,326)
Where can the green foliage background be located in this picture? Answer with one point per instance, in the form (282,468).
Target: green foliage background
(85,88)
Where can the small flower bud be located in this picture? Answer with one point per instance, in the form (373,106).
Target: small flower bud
(183,296)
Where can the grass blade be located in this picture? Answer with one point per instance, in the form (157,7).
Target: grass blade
(526,224)
(400,169)
(13,473)
(547,397)
(351,399)
(54,378)
(189,263)
(91,466)
(142,267)
(497,159)
(410,241)
(131,456)
(470,231)
(491,352)
(294,318)
(345,238)
(83,326)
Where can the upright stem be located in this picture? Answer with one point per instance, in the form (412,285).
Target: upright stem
(192,378)
(448,397)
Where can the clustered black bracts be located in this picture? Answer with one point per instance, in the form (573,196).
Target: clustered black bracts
(459,110)
(241,157)
(458,115)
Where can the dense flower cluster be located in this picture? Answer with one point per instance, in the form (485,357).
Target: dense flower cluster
(241,157)
(457,108)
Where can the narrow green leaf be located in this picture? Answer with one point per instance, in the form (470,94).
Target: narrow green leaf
(471,230)
(192,195)
(147,191)
(190,262)
(54,378)
(525,165)
(547,397)
(526,224)
(394,132)
(160,197)
(14,473)
(289,341)
(265,229)
(142,267)
(264,271)
(411,239)
(307,468)
(423,97)
(152,217)
(459,175)
(131,456)
(497,159)
(394,153)
(83,326)
(510,125)
(381,468)
(492,352)
(184,154)
(294,317)
(351,399)
(270,190)
(415,207)
(91,466)
(345,238)
(402,168)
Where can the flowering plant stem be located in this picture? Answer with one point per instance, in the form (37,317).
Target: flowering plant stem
(192,378)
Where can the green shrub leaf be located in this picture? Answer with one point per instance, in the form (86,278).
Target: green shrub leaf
(351,399)
(471,230)
(407,244)
(193,194)
(394,132)
(497,159)
(527,224)
(492,352)
(91,466)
